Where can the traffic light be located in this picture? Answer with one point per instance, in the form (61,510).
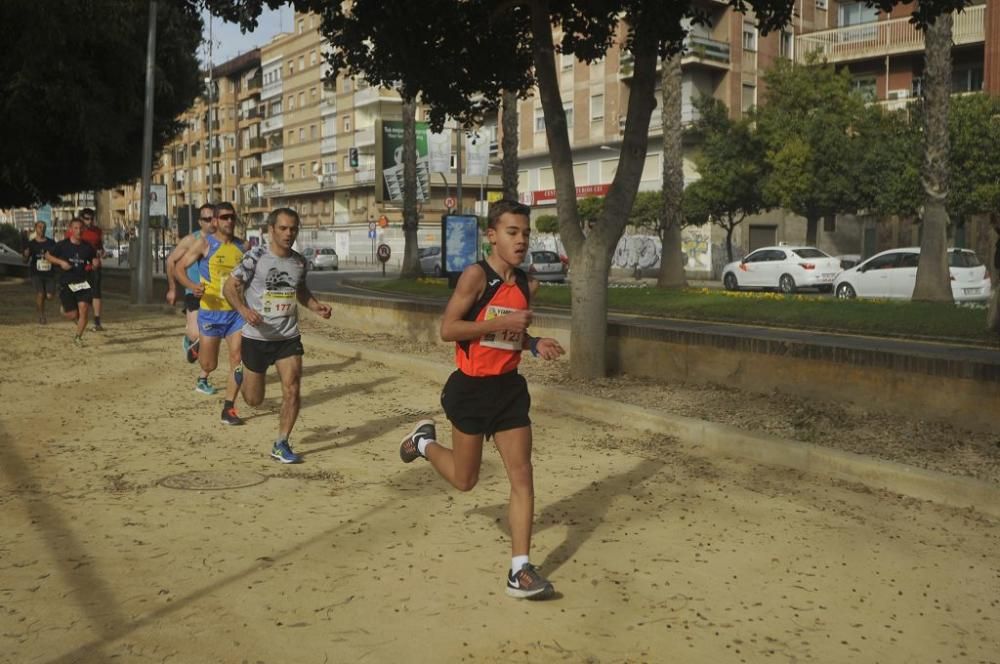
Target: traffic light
(352,157)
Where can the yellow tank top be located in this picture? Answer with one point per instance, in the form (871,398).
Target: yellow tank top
(222,258)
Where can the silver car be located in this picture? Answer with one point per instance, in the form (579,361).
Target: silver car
(430,260)
(544,265)
(321,258)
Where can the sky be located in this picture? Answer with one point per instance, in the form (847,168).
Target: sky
(228,41)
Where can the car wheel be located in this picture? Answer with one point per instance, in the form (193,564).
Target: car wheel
(846,292)
(437,270)
(786,284)
(729,281)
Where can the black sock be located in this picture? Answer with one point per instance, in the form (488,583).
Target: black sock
(97,320)
(227,405)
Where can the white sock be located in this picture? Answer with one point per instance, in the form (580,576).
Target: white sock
(517,562)
(422,443)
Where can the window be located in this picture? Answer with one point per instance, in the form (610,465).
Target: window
(302,134)
(291,67)
(345,166)
(596,107)
(312,95)
(302,99)
(856,13)
(313,168)
(883,262)
(566,61)
(302,62)
(291,102)
(909,260)
(291,172)
(749,37)
(786,44)
(967,77)
(864,86)
(291,136)
(959,258)
(312,57)
(568,110)
(302,170)
(821,4)
(275,108)
(539,120)
(312,132)
(749,99)
(302,25)
(347,124)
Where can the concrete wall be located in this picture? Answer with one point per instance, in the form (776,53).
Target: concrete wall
(961,393)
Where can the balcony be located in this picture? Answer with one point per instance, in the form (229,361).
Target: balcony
(274,189)
(705,51)
(273,123)
(364,136)
(881,38)
(250,114)
(251,86)
(366,175)
(328,181)
(328,145)
(272,157)
(329,104)
(698,50)
(369,95)
(272,89)
(256,143)
(254,202)
(253,172)
(214,179)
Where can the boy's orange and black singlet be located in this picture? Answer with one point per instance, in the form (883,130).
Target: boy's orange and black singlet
(500,352)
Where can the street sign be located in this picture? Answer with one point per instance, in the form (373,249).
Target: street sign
(371,234)
(371,225)
(383,221)
(383,252)
(449,202)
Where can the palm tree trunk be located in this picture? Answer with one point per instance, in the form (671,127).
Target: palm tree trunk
(671,266)
(411,262)
(933,277)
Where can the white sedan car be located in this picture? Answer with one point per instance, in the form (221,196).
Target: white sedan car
(892,274)
(786,268)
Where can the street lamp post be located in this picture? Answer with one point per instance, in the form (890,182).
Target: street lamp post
(144,292)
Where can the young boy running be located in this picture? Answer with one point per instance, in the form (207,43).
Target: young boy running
(77,259)
(488,317)
(43,278)
(265,289)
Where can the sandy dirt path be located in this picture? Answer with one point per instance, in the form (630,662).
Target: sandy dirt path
(116,544)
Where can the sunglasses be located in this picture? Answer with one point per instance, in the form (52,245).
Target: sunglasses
(227,217)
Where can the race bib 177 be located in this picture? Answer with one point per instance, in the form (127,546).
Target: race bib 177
(278,304)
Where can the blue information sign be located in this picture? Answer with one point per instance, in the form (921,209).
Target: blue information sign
(459,243)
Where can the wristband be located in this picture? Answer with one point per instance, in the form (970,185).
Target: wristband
(533,345)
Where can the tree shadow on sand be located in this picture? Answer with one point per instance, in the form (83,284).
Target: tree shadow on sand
(581,512)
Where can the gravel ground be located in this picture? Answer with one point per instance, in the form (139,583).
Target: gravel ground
(913,441)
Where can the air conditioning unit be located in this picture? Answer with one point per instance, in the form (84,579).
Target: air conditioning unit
(898,94)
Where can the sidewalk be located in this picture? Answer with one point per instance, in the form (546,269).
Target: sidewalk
(137,528)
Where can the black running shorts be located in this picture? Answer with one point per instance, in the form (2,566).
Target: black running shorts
(191,302)
(69,299)
(44,282)
(488,404)
(259,355)
(94,277)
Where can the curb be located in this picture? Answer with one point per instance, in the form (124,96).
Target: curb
(935,486)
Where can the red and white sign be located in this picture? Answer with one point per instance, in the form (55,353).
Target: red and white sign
(449,202)
(548,196)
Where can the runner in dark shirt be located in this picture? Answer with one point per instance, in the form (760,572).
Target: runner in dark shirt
(77,260)
(43,277)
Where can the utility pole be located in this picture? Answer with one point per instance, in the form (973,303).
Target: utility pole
(458,167)
(144,292)
(211,176)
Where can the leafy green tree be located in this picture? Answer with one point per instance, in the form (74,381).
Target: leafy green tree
(891,163)
(481,48)
(974,130)
(732,168)
(72,91)
(806,124)
(547,223)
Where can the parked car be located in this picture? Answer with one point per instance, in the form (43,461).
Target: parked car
(321,258)
(430,260)
(786,268)
(544,265)
(893,274)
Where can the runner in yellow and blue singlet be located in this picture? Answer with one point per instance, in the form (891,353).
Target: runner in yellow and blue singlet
(216,255)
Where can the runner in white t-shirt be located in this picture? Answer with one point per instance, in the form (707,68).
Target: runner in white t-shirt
(266,289)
